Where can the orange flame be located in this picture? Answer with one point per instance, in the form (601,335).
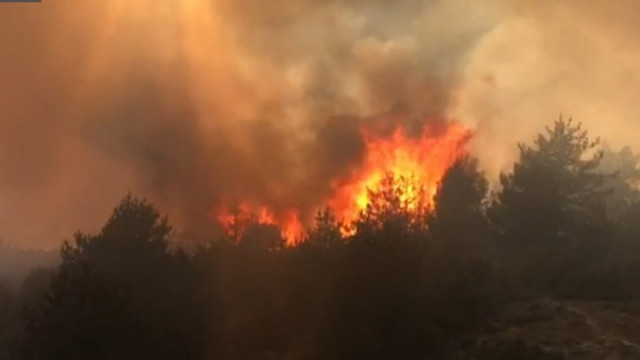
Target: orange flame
(423,160)
(234,221)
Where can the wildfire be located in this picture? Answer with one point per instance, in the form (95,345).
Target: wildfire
(421,161)
(235,220)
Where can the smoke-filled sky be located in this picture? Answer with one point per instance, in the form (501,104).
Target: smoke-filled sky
(196,102)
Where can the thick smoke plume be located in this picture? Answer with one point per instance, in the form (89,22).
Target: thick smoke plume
(194,103)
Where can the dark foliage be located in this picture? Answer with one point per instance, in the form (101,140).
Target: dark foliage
(120,293)
(404,281)
(551,210)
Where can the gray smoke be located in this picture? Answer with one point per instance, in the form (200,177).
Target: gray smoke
(195,103)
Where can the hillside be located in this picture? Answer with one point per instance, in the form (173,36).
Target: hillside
(566,330)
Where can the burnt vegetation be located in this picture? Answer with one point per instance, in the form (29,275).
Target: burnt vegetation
(409,282)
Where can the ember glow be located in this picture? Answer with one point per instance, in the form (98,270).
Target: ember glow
(235,219)
(420,161)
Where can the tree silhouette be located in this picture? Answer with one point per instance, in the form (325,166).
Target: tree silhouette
(84,316)
(327,231)
(461,199)
(409,281)
(554,187)
(396,205)
(125,267)
(551,210)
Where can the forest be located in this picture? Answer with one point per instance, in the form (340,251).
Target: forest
(462,279)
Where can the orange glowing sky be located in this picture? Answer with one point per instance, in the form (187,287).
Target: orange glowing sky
(193,103)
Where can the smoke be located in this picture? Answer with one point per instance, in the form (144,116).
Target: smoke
(194,103)
(576,58)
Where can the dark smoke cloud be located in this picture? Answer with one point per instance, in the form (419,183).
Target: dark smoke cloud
(197,102)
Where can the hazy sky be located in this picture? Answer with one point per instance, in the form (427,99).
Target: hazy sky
(192,102)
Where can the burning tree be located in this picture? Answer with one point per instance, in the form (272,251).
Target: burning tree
(397,203)
(397,179)
(327,231)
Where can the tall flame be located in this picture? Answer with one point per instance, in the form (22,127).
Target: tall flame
(423,160)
